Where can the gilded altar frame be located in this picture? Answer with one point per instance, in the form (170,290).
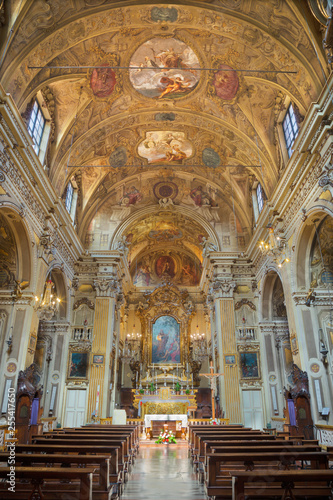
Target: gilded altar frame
(166,300)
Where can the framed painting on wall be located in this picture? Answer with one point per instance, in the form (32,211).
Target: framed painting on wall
(78,365)
(98,359)
(230,359)
(165,340)
(249,364)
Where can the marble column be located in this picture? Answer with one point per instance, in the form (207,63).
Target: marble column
(222,291)
(107,290)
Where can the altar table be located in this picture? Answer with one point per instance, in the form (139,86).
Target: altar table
(149,418)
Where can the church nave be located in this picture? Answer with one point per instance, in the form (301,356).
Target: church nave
(163,472)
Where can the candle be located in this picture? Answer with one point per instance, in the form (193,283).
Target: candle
(187,367)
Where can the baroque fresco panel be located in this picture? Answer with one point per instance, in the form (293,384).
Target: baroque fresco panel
(163,68)
(162,146)
(226,82)
(166,340)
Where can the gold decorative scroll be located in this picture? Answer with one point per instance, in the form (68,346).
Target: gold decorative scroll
(151,408)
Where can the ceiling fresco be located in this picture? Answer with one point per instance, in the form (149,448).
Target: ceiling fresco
(164,107)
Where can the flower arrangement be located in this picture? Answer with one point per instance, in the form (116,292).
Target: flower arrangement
(214,421)
(151,387)
(166,437)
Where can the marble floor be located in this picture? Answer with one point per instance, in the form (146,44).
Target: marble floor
(163,472)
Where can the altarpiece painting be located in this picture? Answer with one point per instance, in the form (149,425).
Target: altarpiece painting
(166,340)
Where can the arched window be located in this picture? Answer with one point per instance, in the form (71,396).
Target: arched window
(71,198)
(290,129)
(258,199)
(36,126)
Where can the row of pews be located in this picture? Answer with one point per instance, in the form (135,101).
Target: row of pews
(90,462)
(241,463)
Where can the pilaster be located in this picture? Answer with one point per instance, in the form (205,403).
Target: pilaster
(222,290)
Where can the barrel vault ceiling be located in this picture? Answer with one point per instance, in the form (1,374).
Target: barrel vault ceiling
(147,105)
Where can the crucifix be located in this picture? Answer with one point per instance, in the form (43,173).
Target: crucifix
(212,379)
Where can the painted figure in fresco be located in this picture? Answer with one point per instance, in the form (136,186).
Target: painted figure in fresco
(226,83)
(165,266)
(102,81)
(131,197)
(200,197)
(174,85)
(143,274)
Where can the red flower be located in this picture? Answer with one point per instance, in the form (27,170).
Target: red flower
(214,423)
(167,440)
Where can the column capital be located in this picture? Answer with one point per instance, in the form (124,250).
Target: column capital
(222,288)
(107,287)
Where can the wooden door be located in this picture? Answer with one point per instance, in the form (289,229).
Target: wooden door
(75,407)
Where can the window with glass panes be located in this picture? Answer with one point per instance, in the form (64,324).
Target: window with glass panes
(69,197)
(36,126)
(260,198)
(290,129)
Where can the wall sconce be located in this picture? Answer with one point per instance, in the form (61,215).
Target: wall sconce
(9,341)
(322,348)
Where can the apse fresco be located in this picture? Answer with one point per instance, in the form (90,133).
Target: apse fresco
(182,270)
(162,146)
(165,340)
(164,69)
(226,82)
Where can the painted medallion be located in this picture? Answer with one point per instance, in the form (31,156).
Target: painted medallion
(163,146)
(102,81)
(164,69)
(226,82)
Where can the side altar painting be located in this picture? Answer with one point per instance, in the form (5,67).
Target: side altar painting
(165,340)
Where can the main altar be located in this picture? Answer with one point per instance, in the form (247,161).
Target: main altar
(164,401)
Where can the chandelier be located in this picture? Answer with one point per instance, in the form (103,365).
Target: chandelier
(275,248)
(131,348)
(199,345)
(47,305)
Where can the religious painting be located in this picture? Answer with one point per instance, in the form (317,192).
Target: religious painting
(165,266)
(249,364)
(182,270)
(130,197)
(164,68)
(78,365)
(103,81)
(167,234)
(165,146)
(165,14)
(230,359)
(165,340)
(98,359)
(226,82)
(118,157)
(211,158)
(202,197)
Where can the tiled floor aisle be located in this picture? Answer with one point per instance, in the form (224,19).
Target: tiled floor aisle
(163,472)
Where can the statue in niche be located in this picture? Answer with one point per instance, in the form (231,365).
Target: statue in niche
(208,246)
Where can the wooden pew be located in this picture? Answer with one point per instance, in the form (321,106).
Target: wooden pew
(221,466)
(70,440)
(102,461)
(300,483)
(37,475)
(112,452)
